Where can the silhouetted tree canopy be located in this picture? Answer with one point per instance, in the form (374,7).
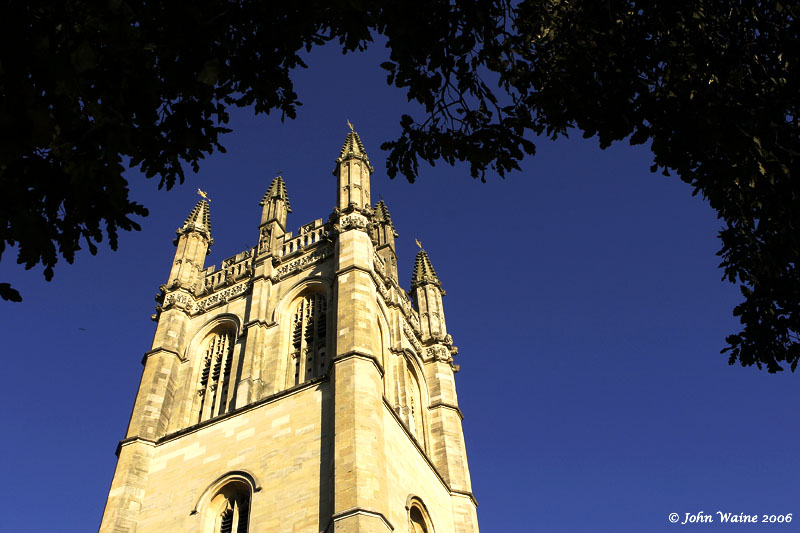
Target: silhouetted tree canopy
(711,86)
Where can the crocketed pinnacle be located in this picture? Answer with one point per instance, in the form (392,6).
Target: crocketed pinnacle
(277,191)
(353,148)
(382,217)
(382,213)
(424,272)
(199,220)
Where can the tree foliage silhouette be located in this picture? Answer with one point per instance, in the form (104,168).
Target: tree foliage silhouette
(710,85)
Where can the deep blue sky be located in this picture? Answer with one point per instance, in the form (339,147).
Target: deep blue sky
(583,293)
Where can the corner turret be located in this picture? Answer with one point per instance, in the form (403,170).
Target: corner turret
(383,235)
(192,245)
(275,209)
(275,203)
(426,289)
(352,173)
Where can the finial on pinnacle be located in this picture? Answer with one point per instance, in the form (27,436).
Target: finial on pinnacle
(418,243)
(350,125)
(204,194)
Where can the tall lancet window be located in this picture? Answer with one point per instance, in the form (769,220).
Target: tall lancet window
(309,330)
(216,389)
(414,406)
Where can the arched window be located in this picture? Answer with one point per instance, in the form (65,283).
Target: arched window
(309,330)
(216,388)
(414,396)
(229,509)
(418,519)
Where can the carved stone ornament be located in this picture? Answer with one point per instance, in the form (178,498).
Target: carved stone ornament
(439,353)
(414,322)
(380,267)
(301,262)
(353,221)
(412,338)
(383,291)
(179,300)
(263,240)
(223,296)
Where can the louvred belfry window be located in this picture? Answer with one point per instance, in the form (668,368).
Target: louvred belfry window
(233,518)
(229,509)
(309,331)
(215,388)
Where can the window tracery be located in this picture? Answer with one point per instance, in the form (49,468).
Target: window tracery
(308,340)
(215,387)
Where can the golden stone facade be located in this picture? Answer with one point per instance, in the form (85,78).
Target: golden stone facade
(298,388)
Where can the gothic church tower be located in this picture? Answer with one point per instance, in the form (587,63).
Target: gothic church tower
(297,388)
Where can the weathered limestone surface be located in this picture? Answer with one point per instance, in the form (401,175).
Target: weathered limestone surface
(281,444)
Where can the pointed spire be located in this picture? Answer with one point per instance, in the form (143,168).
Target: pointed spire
(384,227)
(353,147)
(352,176)
(199,220)
(382,213)
(277,191)
(423,271)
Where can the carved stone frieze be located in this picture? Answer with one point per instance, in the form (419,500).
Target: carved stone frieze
(439,353)
(442,354)
(353,221)
(222,296)
(188,304)
(179,300)
(383,291)
(412,338)
(301,262)
(414,321)
(380,268)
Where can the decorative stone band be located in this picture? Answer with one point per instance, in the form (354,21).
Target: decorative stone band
(187,303)
(223,296)
(398,298)
(412,338)
(380,285)
(180,300)
(302,262)
(353,221)
(439,353)
(443,354)
(380,267)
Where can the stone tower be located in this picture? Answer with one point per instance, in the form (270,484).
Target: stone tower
(297,388)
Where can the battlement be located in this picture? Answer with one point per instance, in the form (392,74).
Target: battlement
(233,269)
(308,235)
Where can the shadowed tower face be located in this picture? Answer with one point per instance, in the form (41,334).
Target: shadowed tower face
(297,386)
